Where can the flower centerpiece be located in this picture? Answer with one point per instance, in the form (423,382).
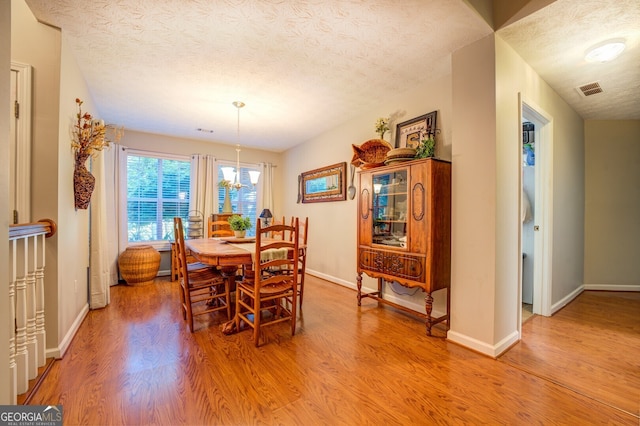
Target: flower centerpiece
(88,139)
(239,225)
(382,126)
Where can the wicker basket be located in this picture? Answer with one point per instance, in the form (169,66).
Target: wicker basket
(139,265)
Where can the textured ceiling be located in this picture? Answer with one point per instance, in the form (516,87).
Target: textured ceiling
(554,41)
(301,66)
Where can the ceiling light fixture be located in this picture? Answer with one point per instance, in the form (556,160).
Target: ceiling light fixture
(232,177)
(605,51)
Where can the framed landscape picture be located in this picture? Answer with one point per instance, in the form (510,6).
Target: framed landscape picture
(410,132)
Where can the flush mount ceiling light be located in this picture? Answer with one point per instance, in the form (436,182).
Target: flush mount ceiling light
(606,51)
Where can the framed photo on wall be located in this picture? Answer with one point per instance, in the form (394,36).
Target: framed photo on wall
(409,133)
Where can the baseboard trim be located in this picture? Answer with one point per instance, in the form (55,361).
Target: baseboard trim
(391,297)
(566,300)
(332,279)
(59,351)
(493,351)
(612,287)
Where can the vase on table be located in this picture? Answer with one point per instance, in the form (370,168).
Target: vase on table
(226,207)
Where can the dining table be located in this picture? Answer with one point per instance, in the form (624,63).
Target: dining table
(228,254)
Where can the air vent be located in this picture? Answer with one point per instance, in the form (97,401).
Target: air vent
(590,89)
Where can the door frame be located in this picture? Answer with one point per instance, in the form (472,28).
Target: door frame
(21,137)
(543,217)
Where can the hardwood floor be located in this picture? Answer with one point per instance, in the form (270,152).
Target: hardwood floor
(591,346)
(135,362)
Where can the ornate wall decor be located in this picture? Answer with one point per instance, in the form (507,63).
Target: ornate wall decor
(89,138)
(324,184)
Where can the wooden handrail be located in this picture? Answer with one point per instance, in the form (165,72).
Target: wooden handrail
(44,226)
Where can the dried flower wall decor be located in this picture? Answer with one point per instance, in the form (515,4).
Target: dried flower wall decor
(88,139)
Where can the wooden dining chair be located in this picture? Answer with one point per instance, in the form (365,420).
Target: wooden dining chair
(203,289)
(278,234)
(302,263)
(265,299)
(218,228)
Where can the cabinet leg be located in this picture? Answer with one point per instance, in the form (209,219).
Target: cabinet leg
(428,304)
(359,284)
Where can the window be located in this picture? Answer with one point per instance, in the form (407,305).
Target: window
(157,191)
(243,200)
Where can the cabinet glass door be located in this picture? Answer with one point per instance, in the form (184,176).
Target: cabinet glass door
(390,208)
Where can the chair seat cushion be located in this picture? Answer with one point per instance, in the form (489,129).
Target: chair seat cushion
(207,276)
(269,289)
(282,287)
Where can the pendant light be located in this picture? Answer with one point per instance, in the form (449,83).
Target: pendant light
(233,176)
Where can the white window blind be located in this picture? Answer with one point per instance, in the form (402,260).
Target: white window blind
(157,191)
(245,199)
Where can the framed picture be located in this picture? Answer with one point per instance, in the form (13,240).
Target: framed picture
(324,184)
(409,133)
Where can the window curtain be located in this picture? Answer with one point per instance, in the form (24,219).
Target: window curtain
(265,194)
(204,189)
(103,234)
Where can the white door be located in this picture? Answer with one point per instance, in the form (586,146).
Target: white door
(13,209)
(20,144)
(536,235)
(528,210)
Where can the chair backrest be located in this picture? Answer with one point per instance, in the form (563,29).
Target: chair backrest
(278,234)
(218,228)
(276,254)
(304,227)
(181,251)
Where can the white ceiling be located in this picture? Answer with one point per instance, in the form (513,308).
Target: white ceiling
(306,66)
(554,41)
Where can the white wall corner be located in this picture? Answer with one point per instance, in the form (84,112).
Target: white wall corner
(484,348)
(59,351)
(566,300)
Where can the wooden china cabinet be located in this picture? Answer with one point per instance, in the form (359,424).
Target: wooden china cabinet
(404,230)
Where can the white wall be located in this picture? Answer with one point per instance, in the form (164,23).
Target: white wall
(39,46)
(612,206)
(73,262)
(474,197)
(57,83)
(567,172)
(180,146)
(486,193)
(333,225)
(6,322)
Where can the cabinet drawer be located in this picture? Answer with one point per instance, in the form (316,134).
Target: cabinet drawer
(401,265)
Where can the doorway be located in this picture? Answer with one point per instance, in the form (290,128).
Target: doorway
(528,215)
(536,160)
(20,144)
